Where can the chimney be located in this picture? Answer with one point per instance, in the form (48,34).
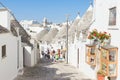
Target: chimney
(5,18)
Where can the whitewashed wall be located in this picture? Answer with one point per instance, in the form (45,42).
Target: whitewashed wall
(30,58)
(5,18)
(27,56)
(72,55)
(35,51)
(89,70)
(31,55)
(102,23)
(8,65)
(82,65)
(19,56)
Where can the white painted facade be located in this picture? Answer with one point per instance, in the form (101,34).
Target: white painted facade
(12,64)
(27,23)
(101,23)
(31,54)
(76,53)
(8,64)
(54,25)
(76,57)
(33,31)
(20,56)
(5,18)
(101,16)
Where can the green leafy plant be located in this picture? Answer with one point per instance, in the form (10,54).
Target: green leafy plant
(94,34)
(101,73)
(101,36)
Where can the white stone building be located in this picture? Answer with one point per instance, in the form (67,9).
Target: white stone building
(8,58)
(31,54)
(11,51)
(26,23)
(76,49)
(16,45)
(29,45)
(106,16)
(31,49)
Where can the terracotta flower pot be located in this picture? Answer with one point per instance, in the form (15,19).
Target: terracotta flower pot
(100,77)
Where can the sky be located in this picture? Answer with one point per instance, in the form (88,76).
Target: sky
(54,10)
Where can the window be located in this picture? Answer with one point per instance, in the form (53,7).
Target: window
(37,46)
(112,16)
(3,51)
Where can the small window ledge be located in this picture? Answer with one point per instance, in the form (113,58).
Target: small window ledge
(113,28)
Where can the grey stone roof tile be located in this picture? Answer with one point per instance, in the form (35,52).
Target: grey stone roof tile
(3,29)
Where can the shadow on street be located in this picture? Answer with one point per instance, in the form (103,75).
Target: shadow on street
(46,70)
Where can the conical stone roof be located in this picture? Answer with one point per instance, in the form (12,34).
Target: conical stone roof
(3,30)
(41,34)
(73,28)
(24,36)
(50,35)
(61,33)
(86,19)
(85,22)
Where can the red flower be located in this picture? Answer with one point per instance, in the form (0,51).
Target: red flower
(98,35)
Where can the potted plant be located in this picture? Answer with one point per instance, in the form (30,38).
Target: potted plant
(93,36)
(100,75)
(99,37)
(104,36)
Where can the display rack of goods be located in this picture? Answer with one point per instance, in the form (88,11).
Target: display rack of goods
(91,54)
(109,60)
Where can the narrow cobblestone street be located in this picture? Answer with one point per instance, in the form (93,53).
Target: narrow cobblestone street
(45,70)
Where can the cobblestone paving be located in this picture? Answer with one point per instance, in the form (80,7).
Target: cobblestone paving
(45,70)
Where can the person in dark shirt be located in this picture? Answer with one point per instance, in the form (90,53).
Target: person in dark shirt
(53,56)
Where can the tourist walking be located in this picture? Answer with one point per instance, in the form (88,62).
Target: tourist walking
(53,56)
